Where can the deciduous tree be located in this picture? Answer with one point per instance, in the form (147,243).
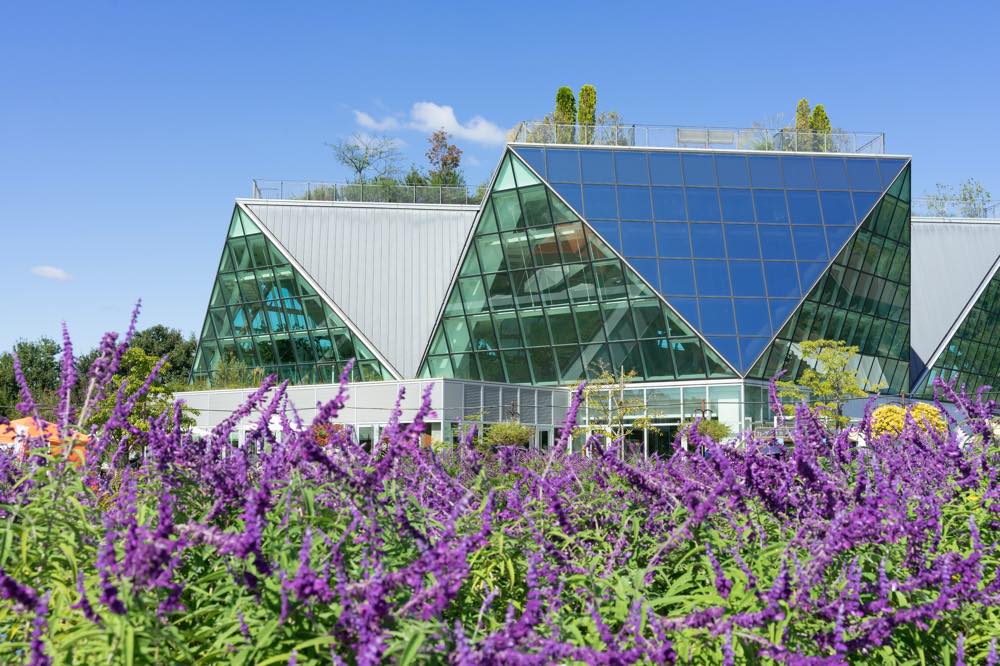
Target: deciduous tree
(828,381)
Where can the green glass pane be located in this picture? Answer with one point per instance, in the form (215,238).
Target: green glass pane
(626,357)
(516,250)
(536,331)
(230,288)
(525,288)
(490,252)
(535,204)
(207,330)
(277,259)
(522,174)
(465,366)
(258,251)
(471,264)
(716,366)
(218,297)
(580,283)
(240,320)
(516,365)
(220,319)
(488,220)
(677,326)
(570,364)
(473,294)
(344,342)
(508,210)
(589,322)
(490,366)
(561,325)
(481,330)
(247,352)
(598,248)
(618,321)
(248,226)
(267,285)
(596,360)
(636,287)
(505,179)
(610,279)
(658,361)
(371,371)
(439,366)
(507,329)
(295,314)
(303,287)
(303,346)
(560,211)
(235,227)
(552,285)
(649,321)
(285,278)
(454,305)
(324,345)
(544,246)
(689,360)
(572,242)
(457,334)
(227,265)
(241,255)
(543,365)
(438,345)
(499,292)
(265,350)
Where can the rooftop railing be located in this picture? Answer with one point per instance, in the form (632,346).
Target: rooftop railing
(377,192)
(955,207)
(672,136)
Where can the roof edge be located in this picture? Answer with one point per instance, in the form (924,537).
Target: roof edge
(355,204)
(679,149)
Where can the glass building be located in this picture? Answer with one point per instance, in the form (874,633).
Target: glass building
(697,271)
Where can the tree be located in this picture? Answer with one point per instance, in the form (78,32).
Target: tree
(614,411)
(972,200)
(713,428)
(445,161)
(802,116)
(565,115)
(819,123)
(42,370)
(368,156)
(159,341)
(827,382)
(586,115)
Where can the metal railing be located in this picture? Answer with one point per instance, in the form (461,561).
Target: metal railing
(378,192)
(672,136)
(955,207)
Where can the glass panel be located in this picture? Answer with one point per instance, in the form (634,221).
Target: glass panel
(765,171)
(798,172)
(741,241)
(543,365)
(610,281)
(535,202)
(564,165)
(522,174)
(516,364)
(673,239)
(830,173)
(677,277)
(668,203)
(837,208)
(702,204)
(599,201)
(572,242)
(747,278)
(634,203)
(706,240)
(737,205)
(631,167)
(561,325)
(732,170)
(473,294)
(508,210)
(770,205)
(699,169)
(804,208)
(457,334)
(638,239)
(776,242)
(597,166)
(657,358)
(505,179)
(665,168)
(536,332)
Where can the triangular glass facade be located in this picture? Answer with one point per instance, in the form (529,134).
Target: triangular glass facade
(732,241)
(265,318)
(862,299)
(972,356)
(541,299)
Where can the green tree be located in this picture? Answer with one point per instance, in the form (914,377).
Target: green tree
(368,157)
(565,115)
(445,161)
(827,383)
(819,123)
(802,116)
(507,433)
(41,366)
(615,412)
(713,428)
(586,114)
(159,341)
(971,200)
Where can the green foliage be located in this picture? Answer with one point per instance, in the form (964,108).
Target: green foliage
(368,157)
(827,382)
(802,115)
(713,428)
(819,122)
(586,115)
(565,114)
(40,364)
(445,161)
(890,419)
(507,433)
(615,411)
(971,200)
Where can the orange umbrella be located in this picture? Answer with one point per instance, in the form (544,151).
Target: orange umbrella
(20,431)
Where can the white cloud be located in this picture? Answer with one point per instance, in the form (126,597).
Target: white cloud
(51,273)
(368,122)
(428,117)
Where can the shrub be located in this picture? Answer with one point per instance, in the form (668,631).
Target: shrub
(507,433)
(890,419)
(312,554)
(717,430)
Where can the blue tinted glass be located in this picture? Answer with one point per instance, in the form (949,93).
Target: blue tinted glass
(748,278)
(810,243)
(781,309)
(598,166)
(608,230)
(863,202)
(770,205)
(711,278)
(781,279)
(837,208)
(837,236)
(727,346)
(741,241)
(564,165)
(706,240)
(599,201)
(752,316)
(799,172)
(702,204)
(750,349)
(637,239)
(677,276)
(775,242)
(571,193)
(688,308)
(804,207)
(830,173)
(533,156)
(647,269)
(672,239)
(732,170)
(633,203)
(665,168)
(630,167)
(736,205)
(717,316)
(668,203)
(765,171)
(890,168)
(863,174)
(698,169)
(809,272)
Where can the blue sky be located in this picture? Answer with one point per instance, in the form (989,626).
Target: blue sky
(126,129)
